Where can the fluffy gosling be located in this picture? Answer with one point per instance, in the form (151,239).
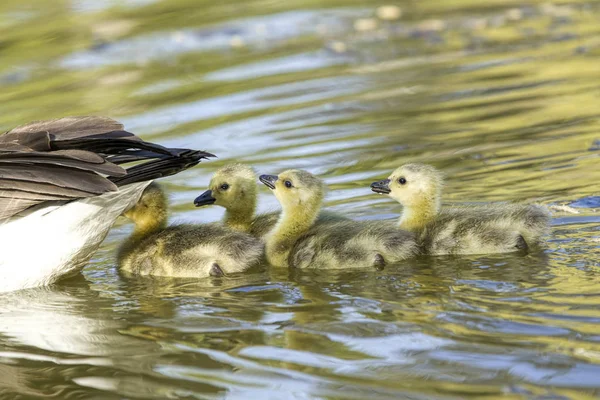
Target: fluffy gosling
(182,251)
(493,228)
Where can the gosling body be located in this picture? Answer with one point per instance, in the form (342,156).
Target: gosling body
(493,228)
(234,188)
(351,244)
(182,251)
(296,241)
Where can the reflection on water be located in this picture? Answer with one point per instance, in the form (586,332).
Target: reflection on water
(502,97)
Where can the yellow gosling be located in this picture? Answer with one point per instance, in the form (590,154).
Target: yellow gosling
(182,251)
(296,241)
(492,228)
(234,188)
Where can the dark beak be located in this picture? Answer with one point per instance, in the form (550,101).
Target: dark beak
(205,199)
(381,187)
(268,180)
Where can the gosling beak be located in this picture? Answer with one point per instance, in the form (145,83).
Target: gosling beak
(381,187)
(268,180)
(205,199)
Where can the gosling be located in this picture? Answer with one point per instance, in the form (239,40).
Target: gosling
(182,251)
(296,241)
(234,188)
(494,228)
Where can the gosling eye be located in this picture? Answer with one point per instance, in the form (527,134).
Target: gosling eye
(402,181)
(224,186)
(288,184)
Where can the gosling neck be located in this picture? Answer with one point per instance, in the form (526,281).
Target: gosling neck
(145,225)
(291,226)
(149,224)
(416,216)
(149,215)
(240,218)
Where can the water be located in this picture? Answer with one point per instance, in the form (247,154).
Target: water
(501,95)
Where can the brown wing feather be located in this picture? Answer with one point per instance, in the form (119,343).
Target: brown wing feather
(69,127)
(59,176)
(23,195)
(43,188)
(83,160)
(39,141)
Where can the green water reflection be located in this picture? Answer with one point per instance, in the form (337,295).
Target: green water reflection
(501,95)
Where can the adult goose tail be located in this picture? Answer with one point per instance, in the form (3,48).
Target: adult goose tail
(78,157)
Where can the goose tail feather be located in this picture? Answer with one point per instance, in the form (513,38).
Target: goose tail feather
(160,168)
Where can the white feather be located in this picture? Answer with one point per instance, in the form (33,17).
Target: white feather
(54,241)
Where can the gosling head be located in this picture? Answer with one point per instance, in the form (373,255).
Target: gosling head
(412,185)
(232,187)
(296,189)
(150,211)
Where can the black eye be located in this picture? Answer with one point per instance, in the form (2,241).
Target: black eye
(224,186)
(402,181)
(287,184)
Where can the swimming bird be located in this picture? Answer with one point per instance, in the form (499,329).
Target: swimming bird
(492,228)
(234,187)
(62,187)
(296,241)
(182,251)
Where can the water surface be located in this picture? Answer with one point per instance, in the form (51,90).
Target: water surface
(502,96)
